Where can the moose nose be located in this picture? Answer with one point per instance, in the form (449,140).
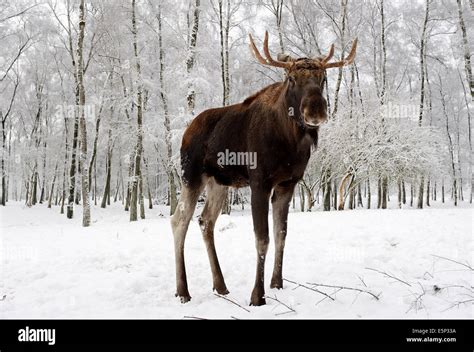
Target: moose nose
(315,119)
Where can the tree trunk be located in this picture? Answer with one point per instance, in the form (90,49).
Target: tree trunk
(369,194)
(191,97)
(420,192)
(422,88)
(327,191)
(422,61)
(97,129)
(66,154)
(34,193)
(43,182)
(141,197)
(135,196)
(399,184)
(467,53)
(27,193)
(343,15)
(72,169)
(359,196)
(450,142)
(442,191)
(4,184)
(150,202)
(172,197)
(384,192)
(404,195)
(52,186)
(86,210)
(131,169)
(428,192)
(379,192)
(106,195)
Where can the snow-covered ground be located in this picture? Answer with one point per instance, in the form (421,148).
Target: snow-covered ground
(51,267)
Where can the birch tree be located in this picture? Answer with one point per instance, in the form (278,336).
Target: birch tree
(86,210)
(422,87)
(192,42)
(134,197)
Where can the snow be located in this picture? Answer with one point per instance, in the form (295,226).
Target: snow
(51,267)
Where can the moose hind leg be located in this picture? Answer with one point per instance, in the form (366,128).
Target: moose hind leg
(216,195)
(180,223)
(281,198)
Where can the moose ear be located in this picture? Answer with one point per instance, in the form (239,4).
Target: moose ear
(284,58)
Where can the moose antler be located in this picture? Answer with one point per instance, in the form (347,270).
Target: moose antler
(269,60)
(324,63)
(347,61)
(329,55)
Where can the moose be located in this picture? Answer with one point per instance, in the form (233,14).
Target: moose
(280,123)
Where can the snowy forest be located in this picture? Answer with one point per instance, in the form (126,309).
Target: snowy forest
(91,114)
(95,97)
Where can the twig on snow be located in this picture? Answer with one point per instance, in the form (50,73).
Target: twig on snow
(390,276)
(311,289)
(457,304)
(231,301)
(362,280)
(418,302)
(193,317)
(346,288)
(334,293)
(438,288)
(290,310)
(467,265)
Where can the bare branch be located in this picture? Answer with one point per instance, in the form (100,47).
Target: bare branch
(18,13)
(390,276)
(346,288)
(20,51)
(310,288)
(454,261)
(457,304)
(193,317)
(17,82)
(290,310)
(231,301)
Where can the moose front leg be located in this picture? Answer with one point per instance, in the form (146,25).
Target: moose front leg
(260,199)
(281,198)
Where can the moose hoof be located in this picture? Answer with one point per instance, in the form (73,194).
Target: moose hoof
(276,283)
(184,298)
(221,290)
(257,299)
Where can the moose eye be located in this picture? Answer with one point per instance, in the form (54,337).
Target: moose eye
(291,80)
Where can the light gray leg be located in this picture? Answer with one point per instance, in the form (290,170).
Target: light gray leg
(216,195)
(180,223)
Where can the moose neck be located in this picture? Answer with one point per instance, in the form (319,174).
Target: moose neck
(289,103)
